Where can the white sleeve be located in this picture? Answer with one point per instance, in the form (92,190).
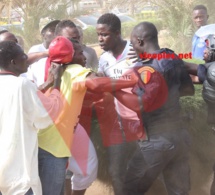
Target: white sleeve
(100,67)
(44,108)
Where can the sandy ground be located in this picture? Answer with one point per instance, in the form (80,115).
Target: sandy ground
(97,188)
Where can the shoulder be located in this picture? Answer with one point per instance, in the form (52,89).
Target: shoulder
(89,49)
(37,48)
(105,58)
(26,83)
(76,69)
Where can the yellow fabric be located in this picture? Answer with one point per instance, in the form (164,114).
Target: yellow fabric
(57,139)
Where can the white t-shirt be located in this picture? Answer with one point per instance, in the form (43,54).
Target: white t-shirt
(115,68)
(36,71)
(21,114)
(37,48)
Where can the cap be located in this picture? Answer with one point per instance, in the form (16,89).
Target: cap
(52,24)
(61,50)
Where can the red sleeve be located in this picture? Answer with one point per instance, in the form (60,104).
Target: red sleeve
(156,92)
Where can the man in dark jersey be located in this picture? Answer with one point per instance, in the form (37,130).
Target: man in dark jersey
(156,97)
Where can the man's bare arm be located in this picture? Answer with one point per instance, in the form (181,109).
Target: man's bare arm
(192,70)
(106,84)
(33,57)
(129,100)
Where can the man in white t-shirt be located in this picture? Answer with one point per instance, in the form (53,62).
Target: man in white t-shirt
(114,63)
(23,111)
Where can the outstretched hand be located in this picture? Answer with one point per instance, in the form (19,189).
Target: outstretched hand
(132,55)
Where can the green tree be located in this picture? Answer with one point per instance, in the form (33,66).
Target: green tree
(33,11)
(177,21)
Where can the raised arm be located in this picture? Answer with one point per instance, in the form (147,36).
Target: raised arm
(33,57)
(106,84)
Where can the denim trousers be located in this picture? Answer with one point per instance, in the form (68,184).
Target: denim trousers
(52,172)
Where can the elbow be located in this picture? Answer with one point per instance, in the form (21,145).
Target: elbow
(138,108)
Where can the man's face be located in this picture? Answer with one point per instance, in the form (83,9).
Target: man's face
(135,43)
(71,33)
(48,36)
(7,36)
(200,17)
(19,64)
(107,39)
(78,57)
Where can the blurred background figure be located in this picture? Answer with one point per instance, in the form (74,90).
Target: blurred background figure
(20,41)
(89,53)
(200,17)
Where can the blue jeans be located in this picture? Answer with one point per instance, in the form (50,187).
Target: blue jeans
(52,171)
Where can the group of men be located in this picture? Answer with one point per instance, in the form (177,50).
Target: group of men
(145,127)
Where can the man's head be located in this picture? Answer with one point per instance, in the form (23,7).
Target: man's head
(7,36)
(78,57)
(47,32)
(80,34)
(12,57)
(109,31)
(20,41)
(209,52)
(144,38)
(61,50)
(200,15)
(68,29)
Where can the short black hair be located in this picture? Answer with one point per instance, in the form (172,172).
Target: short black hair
(198,7)
(111,20)
(3,31)
(147,31)
(8,51)
(63,24)
(50,26)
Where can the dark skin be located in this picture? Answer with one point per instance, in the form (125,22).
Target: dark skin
(110,40)
(70,33)
(192,68)
(48,36)
(18,65)
(200,17)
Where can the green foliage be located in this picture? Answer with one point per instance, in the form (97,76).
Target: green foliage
(127,27)
(90,36)
(210,4)
(177,21)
